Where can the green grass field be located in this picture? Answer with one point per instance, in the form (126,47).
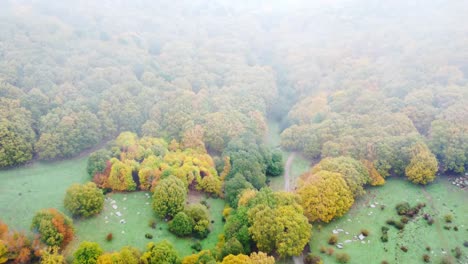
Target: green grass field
(135,209)
(25,190)
(440,197)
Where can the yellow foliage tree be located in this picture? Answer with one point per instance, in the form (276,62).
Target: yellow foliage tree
(423,165)
(261,258)
(375,178)
(324,196)
(237,259)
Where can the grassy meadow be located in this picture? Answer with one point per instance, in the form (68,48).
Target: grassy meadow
(441,198)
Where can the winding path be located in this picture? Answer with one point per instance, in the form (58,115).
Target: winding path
(287,187)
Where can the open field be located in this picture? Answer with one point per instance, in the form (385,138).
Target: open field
(25,190)
(136,214)
(440,197)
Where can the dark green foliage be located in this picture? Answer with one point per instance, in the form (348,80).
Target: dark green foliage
(149,236)
(199,215)
(234,187)
(181,225)
(232,246)
(342,258)
(97,161)
(87,253)
(197,246)
(237,226)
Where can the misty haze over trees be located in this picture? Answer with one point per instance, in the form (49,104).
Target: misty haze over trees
(177,97)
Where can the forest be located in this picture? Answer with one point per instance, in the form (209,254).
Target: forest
(264,132)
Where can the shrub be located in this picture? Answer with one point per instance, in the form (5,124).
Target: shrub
(426,258)
(404,249)
(148,236)
(384,237)
(399,225)
(109,237)
(84,200)
(430,221)
(428,248)
(455,228)
(330,251)
(365,232)
(465,243)
(448,218)
(323,249)
(390,222)
(458,252)
(152,223)
(446,227)
(197,246)
(312,259)
(382,207)
(402,208)
(384,262)
(333,240)
(404,220)
(384,229)
(342,258)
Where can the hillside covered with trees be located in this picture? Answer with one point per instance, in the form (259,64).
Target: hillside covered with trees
(175,98)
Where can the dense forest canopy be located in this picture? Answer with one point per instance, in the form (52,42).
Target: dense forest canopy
(182,92)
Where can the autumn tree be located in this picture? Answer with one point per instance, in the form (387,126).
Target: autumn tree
(84,200)
(324,195)
(87,253)
(160,253)
(201,219)
(261,258)
(120,178)
(51,255)
(169,197)
(236,259)
(423,165)
(54,228)
(353,172)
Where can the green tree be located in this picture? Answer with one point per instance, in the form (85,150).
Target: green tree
(87,253)
(423,165)
(16,134)
(234,187)
(201,219)
(84,200)
(160,253)
(169,197)
(97,162)
(181,225)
